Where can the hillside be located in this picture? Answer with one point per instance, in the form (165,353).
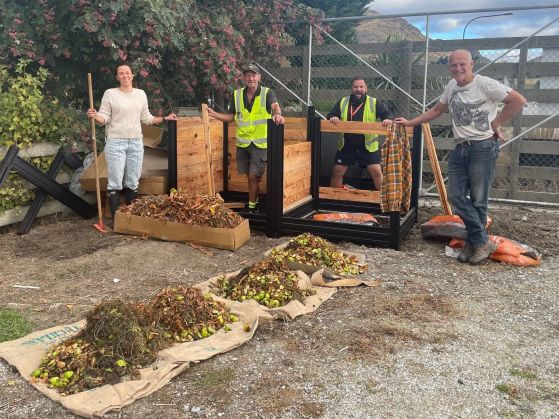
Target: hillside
(378,30)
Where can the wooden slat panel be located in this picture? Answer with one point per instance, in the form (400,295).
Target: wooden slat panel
(296,203)
(527,121)
(542,95)
(496,70)
(296,172)
(525,172)
(356,127)
(541,173)
(539,147)
(191,154)
(435,45)
(356,195)
(526,146)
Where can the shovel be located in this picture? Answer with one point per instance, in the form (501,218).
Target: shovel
(99,225)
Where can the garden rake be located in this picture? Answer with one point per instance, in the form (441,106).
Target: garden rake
(99,226)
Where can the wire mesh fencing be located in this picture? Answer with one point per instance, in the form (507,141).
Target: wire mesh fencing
(407,68)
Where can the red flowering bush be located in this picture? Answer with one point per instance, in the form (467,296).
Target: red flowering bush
(178,49)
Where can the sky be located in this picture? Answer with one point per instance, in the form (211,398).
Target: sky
(521,23)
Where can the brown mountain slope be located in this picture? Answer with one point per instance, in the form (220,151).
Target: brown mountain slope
(379,30)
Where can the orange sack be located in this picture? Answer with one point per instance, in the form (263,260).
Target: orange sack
(509,251)
(446,227)
(346,217)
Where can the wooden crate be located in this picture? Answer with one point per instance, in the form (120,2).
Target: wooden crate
(222,238)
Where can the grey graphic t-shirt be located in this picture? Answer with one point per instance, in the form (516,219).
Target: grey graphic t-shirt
(474,106)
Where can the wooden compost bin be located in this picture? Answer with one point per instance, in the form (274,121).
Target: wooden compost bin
(191,159)
(296,163)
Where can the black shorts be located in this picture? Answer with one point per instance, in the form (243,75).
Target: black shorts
(348,155)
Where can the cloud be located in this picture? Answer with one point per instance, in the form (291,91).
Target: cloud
(451,26)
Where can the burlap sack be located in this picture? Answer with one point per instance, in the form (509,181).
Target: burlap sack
(287,312)
(26,353)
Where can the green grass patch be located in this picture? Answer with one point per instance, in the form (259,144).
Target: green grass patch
(522,374)
(13,325)
(504,388)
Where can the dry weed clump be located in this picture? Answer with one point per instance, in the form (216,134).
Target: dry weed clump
(184,314)
(185,208)
(120,338)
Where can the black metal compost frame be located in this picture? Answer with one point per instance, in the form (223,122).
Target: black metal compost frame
(45,183)
(296,220)
(275,223)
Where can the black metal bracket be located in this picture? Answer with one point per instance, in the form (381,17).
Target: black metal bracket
(172,154)
(45,183)
(225,156)
(274,186)
(71,161)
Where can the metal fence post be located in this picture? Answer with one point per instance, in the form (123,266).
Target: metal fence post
(307,69)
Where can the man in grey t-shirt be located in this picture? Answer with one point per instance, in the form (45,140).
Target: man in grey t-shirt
(472,101)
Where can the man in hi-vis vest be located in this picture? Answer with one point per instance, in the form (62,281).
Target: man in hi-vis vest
(360,147)
(252,106)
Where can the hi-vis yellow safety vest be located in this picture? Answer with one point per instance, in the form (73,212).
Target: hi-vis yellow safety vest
(369,115)
(252,127)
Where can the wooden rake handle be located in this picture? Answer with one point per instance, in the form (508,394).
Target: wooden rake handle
(430,144)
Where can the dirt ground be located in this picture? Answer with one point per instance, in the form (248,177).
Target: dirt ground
(436,339)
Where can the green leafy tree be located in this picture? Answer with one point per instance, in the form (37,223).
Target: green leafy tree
(342,31)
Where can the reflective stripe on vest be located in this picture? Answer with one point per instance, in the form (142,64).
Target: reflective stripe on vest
(369,115)
(252,127)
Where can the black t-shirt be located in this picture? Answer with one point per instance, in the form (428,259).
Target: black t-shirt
(357,140)
(271,98)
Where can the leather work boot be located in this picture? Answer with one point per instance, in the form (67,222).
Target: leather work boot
(466,253)
(129,195)
(482,252)
(114,201)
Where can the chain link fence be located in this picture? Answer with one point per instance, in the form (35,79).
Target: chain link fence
(407,69)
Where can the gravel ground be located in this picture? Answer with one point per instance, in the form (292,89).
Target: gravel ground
(436,339)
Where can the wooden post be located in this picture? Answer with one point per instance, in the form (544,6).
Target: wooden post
(517,125)
(430,145)
(405,73)
(209,168)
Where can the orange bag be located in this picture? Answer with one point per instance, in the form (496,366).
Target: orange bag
(509,251)
(446,227)
(346,217)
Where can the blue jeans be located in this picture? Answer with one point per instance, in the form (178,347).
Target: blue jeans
(471,169)
(124,162)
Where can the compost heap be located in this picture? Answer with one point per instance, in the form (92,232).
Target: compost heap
(185,208)
(315,251)
(269,282)
(120,338)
